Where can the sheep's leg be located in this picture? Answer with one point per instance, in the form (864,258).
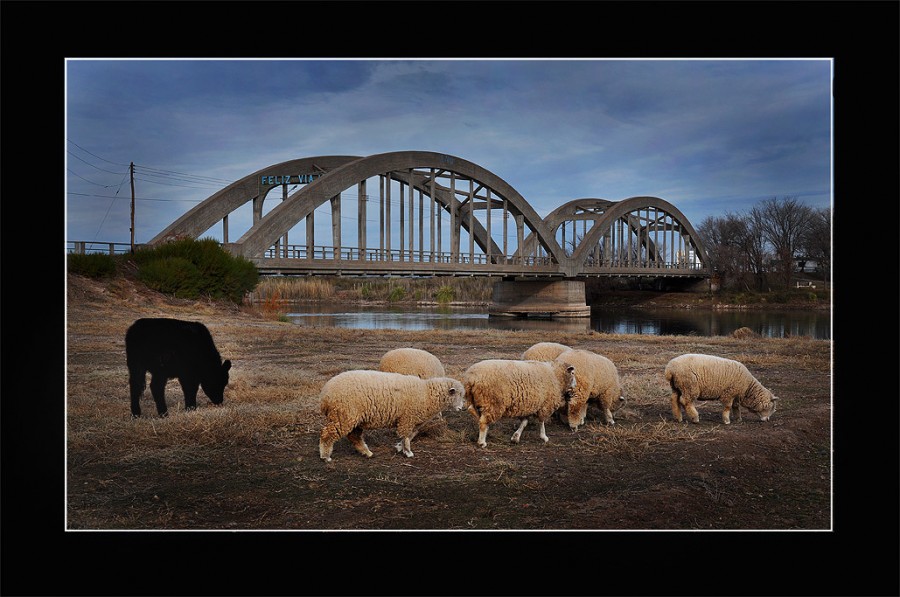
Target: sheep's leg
(609,416)
(726,410)
(518,434)
(543,433)
(406,431)
(405,448)
(356,438)
(482,430)
(736,410)
(329,435)
(399,445)
(689,409)
(676,405)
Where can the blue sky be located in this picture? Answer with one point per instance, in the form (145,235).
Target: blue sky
(709,136)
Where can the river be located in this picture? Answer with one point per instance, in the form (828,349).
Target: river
(614,320)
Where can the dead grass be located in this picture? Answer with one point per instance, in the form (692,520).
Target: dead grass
(256,456)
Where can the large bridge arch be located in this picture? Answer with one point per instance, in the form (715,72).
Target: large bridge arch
(629,229)
(667,218)
(217,206)
(303,202)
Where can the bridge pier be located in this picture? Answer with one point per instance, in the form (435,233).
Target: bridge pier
(539,298)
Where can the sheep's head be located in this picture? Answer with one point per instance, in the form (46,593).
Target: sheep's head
(766,413)
(568,379)
(452,392)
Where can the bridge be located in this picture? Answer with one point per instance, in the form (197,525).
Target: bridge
(432,214)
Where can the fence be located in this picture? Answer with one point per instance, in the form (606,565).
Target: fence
(83,247)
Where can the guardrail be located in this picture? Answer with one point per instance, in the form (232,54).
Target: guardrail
(82,247)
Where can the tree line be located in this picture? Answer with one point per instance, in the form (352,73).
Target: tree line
(767,245)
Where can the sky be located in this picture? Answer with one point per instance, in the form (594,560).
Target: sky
(711,137)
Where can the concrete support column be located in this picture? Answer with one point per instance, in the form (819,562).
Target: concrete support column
(381,217)
(471,221)
(361,211)
(402,224)
(284,243)
(311,235)
(410,214)
(336,225)
(387,216)
(487,250)
(520,237)
(431,220)
(257,208)
(421,228)
(454,221)
(505,240)
(539,298)
(225,229)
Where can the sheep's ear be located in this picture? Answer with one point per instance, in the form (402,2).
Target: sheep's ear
(452,391)
(570,369)
(774,397)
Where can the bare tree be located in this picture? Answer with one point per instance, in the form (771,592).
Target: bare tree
(754,246)
(816,243)
(783,223)
(726,241)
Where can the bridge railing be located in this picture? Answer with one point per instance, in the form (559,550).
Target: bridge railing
(321,252)
(83,247)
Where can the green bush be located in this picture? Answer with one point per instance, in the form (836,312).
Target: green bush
(445,294)
(398,293)
(92,265)
(171,275)
(195,268)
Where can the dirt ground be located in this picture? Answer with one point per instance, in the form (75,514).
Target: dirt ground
(253,465)
(647,472)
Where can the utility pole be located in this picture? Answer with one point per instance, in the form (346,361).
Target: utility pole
(131,170)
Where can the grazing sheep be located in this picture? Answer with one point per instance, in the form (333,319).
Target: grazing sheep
(706,377)
(412,361)
(598,382)
(498,388)
(544,351)
(354,401)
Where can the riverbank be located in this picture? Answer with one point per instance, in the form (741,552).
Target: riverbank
(258,452)
(477,292)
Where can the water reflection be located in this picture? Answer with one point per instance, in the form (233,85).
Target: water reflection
(698,322)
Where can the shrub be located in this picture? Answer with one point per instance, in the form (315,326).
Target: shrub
(398,293)
(445,294)
(171,275)
(190,268)
(92,265)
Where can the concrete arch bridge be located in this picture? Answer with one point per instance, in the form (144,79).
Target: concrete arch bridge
(432,214)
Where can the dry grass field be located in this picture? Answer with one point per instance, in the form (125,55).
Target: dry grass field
(257,458)
(242,485)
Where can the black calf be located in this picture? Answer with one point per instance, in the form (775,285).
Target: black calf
(169,349)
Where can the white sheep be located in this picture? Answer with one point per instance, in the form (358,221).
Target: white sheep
(544,351)
(412,361)
(598,382)
(354,401)
(706,377)
(497,388)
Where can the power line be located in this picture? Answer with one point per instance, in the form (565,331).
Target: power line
(92,165)
(93,154)
(182,174)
